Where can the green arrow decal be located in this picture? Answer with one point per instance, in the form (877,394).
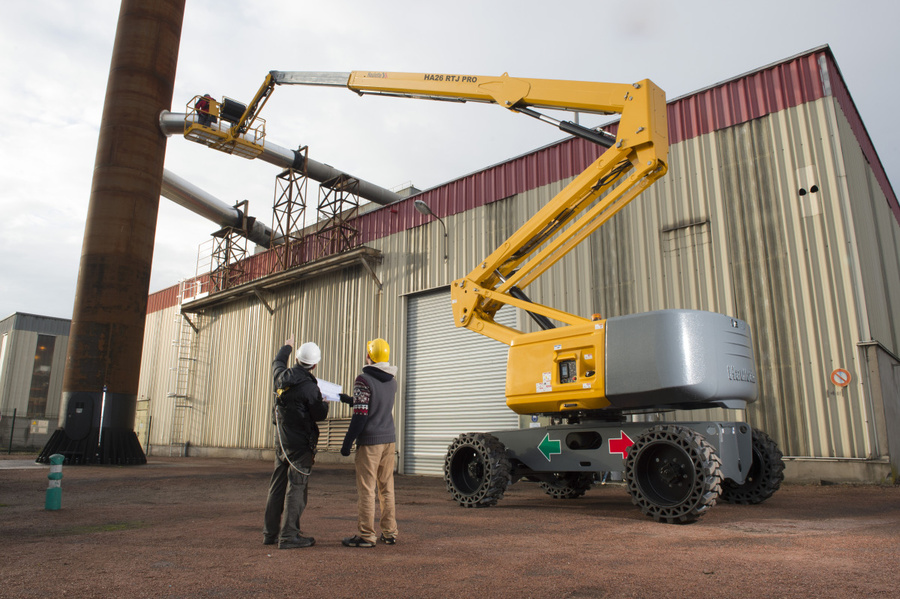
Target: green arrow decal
(548,447)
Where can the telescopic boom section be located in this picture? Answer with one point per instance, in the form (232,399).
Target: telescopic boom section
(251,112)
(631,163)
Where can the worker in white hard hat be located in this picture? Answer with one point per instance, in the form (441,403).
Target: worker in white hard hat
(372,427)
(298,406)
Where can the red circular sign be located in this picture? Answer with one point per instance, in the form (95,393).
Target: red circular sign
(840,377)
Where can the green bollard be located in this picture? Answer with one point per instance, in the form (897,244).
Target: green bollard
(54,486)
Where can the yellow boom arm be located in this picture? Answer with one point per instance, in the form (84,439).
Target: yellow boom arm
(631,162)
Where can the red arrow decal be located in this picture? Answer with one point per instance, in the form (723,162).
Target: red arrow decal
(620,445)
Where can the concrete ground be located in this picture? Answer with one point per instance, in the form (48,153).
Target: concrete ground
(193,528)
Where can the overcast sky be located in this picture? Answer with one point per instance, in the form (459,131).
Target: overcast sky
(54,64)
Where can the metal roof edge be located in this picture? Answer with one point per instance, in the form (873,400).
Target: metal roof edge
(823,47)
(750,73)
(875,159)
(856,118)
(30,315)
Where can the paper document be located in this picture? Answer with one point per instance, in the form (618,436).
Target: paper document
(330,391)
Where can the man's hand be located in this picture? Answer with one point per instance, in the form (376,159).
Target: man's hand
(290,340)
(347,399)
(345,450)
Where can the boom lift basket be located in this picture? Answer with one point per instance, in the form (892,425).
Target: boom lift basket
(216,132)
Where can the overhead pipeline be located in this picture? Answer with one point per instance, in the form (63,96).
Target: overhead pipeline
(198,201)
(173,123)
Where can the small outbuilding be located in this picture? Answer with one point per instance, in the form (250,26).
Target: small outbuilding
(32,356)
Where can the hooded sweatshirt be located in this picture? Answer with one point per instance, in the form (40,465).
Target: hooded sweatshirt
(373,406)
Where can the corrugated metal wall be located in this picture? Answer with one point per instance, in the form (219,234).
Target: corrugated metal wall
(156,365)
(877,237)
(726,230)
(231,386)
(20,347)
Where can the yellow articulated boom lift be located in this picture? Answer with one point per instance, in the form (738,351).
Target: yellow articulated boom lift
(588,375)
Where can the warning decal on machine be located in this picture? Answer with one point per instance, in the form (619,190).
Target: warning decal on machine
(546,385)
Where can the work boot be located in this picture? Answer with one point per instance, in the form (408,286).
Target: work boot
(267,540)
(297,542)
(357,541)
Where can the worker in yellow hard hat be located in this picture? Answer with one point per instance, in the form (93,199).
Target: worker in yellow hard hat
(372,427)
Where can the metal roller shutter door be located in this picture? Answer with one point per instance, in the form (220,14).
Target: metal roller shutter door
(455,382)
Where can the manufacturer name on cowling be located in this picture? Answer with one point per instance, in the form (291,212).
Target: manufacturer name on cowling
(451,78)
(741,374)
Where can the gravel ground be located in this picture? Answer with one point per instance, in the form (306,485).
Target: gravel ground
(193,528)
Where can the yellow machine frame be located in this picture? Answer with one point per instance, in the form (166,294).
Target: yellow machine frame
(631,163)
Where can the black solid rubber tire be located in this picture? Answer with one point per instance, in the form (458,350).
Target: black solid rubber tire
(568,485)
(477,470)
(673,474)
(765,475)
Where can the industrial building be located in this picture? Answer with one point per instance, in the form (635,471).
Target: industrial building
(775,210)
(32,354)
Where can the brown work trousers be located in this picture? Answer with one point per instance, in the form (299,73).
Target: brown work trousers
(375,471)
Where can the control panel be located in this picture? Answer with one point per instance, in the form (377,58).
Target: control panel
(567,371)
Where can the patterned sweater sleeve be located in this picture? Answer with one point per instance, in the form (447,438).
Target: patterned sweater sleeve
(361,396)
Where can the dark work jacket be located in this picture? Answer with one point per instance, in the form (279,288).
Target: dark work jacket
(299,406)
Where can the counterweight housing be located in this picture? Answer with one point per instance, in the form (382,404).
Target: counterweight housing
(660,360)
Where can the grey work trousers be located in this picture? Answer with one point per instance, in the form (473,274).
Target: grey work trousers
(287,495)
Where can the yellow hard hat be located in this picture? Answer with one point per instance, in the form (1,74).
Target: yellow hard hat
(378,350)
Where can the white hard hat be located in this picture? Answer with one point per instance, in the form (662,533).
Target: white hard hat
(309,354)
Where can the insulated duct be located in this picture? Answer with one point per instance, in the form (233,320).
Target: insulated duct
(173,123)
(198,201)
